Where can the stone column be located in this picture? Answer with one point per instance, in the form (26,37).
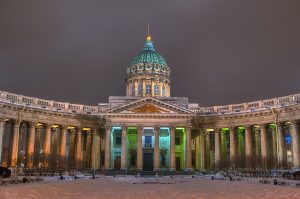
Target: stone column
(140,149)
(63,142)
(197,148)
(188,163)
(72,147)
(281,154)
(156,149)
(217,148)
(97,147)
(2,124)
(248,146)
(264,145)
(88,149)
(107,148)
(95,150)
(203,149)
(124,151)
(208,159)
(47,141)
(15,144)
(30,144)
(295,143)
(274,148)
(172,151)
(233,147)
(78,149)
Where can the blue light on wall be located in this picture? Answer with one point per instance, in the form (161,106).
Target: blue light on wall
(287,138)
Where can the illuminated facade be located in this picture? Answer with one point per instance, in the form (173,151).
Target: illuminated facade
(148,130)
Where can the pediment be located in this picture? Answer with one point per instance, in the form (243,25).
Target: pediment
(149,106)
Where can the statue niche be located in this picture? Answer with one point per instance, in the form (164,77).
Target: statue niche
(133,154)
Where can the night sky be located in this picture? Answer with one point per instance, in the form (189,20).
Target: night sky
(220,52)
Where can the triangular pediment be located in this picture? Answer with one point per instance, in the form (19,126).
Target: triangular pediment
(149,106)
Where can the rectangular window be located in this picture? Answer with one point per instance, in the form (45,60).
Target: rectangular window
(118,140)
(148,141)
(177,140)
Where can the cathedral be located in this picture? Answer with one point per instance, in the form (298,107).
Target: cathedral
(148,129)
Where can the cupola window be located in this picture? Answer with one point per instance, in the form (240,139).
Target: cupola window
(156,89)
(148,89)
(163,91)
(140,89)
(132,90)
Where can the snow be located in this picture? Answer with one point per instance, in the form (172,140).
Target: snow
(153,188)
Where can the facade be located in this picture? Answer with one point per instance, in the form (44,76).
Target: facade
(148,130)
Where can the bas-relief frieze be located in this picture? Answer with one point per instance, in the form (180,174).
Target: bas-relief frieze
(148,108)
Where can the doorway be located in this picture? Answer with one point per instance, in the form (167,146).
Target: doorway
(148,160)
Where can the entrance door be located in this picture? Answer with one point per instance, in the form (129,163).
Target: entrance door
(177,163)
(117,163)
(148,160)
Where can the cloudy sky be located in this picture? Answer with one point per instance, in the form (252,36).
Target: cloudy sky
(219,51)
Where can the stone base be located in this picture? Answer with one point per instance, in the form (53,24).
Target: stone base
(189,169)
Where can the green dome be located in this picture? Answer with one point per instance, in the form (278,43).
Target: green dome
(149,55)
(148,61)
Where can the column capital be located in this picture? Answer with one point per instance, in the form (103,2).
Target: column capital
(124,127)
(248,126)
(202,130)
(2,119)
(17,122)
(294,122)
(140,128)
(63,126)
(48,125)
(32,123)
(188,126)
(78,131)
(156,128)
(263,126)
(217,130)
(172,127)
(232,128)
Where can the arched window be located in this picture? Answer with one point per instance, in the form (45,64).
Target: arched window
(163,91)
(140,89)
(132,90)
(148,89)
(156,89)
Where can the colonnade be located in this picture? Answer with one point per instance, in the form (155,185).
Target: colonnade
(156,148)
(33,144)
(259,146)
(248,146)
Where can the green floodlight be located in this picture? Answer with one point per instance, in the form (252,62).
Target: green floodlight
(225,129)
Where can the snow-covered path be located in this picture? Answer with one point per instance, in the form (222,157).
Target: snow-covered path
(124,188)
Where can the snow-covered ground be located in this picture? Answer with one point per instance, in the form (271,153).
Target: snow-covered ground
(153,188)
